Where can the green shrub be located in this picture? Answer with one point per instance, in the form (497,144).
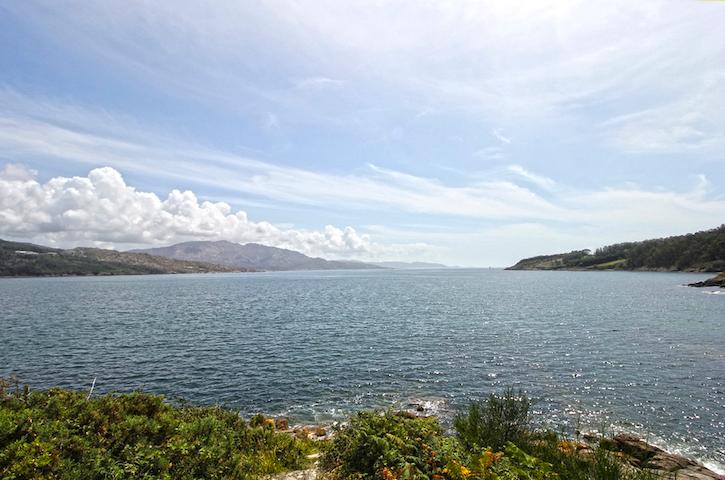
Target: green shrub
(571,464)
(495,441)
(495,421)
(388,445)
(58,434)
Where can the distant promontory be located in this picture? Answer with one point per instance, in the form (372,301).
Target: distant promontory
(718,281)
(695,252)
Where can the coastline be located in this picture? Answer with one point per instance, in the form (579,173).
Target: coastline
(666,461)
(121,432)
(71,275)
(591,269)
(664,464)
(716,281)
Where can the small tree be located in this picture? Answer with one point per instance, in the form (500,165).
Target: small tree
(495,421)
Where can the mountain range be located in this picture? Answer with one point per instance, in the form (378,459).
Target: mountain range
(27,259)
(250,255)
(409,265)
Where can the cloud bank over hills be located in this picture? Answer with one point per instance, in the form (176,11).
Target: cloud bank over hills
(101,209)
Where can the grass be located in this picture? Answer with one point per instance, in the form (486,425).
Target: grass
(607,265)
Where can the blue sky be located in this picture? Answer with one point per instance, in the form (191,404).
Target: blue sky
(470,133)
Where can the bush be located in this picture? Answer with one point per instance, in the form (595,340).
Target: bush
(495,422)
(58,434)
(494,441)
(388,445)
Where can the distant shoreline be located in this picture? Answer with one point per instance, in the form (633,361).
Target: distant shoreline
(702,252)
(716,281)
(574,269)
(104,274)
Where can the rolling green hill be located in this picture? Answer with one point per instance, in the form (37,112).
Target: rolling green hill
(27,259)
(695,252)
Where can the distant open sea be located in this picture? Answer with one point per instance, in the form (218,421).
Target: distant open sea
(599,350)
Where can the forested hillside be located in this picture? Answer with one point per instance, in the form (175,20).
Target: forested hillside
(698,252)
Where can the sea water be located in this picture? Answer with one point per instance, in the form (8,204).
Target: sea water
(596,350)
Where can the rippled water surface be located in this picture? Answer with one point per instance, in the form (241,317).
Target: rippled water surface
(633,350)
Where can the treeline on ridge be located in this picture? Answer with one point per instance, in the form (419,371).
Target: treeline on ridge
(700,252)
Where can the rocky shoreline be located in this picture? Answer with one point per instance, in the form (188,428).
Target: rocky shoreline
(632,450)
(718,281)
(642,455)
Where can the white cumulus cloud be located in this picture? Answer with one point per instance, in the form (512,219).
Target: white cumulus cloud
(101,209)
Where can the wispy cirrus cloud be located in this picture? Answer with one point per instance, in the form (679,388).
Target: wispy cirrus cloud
(270,121)
(490,153)
(168,158)
(489,120)
(378,186)
(496,132)
(536,63)
(538,180)
(318,83)
(485,204)
(691,123)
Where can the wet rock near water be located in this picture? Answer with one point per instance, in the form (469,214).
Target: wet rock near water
(718,281)
(643,455)
(423,408)
(281,423)
(308,432)
(311,432)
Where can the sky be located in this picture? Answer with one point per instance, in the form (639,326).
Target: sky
(470,133)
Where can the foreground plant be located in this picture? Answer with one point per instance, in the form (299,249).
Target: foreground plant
(494,440)
(495,422)
(389,445)
(59,434)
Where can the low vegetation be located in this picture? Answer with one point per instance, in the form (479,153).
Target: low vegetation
(494,440)
(699,252)
(62,434)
